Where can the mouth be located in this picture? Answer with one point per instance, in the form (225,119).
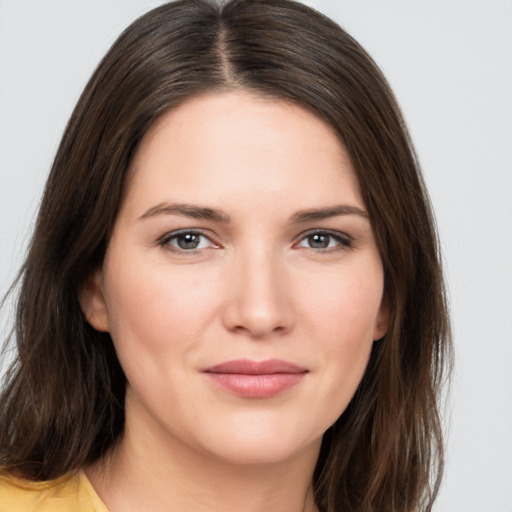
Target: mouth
(256,379)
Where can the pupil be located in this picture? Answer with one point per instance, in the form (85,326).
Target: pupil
(319,241)
(188,241)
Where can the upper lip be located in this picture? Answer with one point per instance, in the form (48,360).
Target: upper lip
(249,367)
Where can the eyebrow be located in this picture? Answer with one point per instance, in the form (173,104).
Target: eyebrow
(212,214)
(187,210)
(325,213)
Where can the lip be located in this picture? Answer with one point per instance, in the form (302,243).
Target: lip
(256,379)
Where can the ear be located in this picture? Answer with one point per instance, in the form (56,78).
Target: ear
(382,321)
(92,301)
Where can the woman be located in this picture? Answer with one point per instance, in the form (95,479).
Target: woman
(233,298)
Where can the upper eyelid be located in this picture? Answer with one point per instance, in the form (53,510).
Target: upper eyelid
(344,241)
(165,241)
(177,232)
(332,232)
(343,236)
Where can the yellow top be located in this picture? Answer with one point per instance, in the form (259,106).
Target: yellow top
(70,493)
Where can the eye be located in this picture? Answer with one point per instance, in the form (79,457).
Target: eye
(186,241)
(325,241)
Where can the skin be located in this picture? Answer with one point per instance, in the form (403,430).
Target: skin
(266,281)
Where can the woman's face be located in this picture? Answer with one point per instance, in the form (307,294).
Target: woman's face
(242,285)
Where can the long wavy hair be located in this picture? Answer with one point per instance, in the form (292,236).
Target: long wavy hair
(62,403)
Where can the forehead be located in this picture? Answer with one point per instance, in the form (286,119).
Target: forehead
(227,145)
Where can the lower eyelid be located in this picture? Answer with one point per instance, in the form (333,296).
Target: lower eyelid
(166,239)
(343,240)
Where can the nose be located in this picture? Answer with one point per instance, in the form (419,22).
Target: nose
(259,301)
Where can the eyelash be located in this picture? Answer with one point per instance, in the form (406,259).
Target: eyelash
(166,240)
(342,241)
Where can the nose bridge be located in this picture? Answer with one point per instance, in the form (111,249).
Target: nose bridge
(258,303)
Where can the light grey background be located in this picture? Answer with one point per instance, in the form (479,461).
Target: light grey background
(450,64)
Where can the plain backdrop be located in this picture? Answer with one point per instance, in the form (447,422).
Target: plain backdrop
(450,64)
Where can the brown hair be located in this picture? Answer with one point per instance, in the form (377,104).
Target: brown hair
(62,405)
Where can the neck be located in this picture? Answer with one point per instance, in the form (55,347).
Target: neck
(151,470)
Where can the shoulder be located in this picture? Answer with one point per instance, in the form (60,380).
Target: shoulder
(70,493)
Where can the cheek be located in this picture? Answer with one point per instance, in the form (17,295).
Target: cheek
(345,306)
(342,318)
(155,311)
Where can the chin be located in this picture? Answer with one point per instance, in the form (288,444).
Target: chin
(257,446)
(257,456)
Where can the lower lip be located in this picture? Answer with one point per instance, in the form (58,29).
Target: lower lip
(256,386)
